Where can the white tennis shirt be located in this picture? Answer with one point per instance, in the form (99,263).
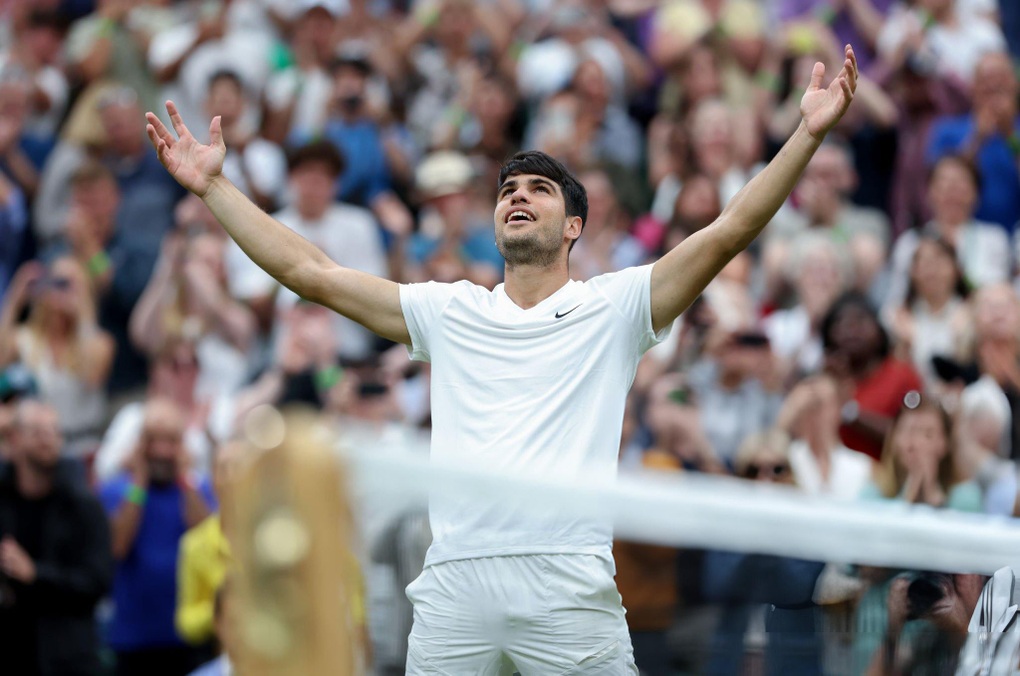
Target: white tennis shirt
(537,392)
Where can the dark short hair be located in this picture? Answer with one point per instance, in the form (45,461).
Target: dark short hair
(227,74)
(320,151)
(575,198)
(853,299)
(970,167)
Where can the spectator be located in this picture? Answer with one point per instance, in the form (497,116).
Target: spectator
(151,505)
(735,388)
(982,249)
(454,239)
(934,320)
(919,465)
(203,560)
(608,244)
(821,463)
(13,229)
(824,205)
(854,22)
(940,38)
(996,327)
(173,373)
(209,37)
(743,582)
(226,620)
(486,122)
(872,382)
(365,178)
(16,383)
(818,275)
(36,52)
(297,97)
(985,137)
(55,561)
(62,345)
(584,126)
(21,155)
(187,297)
(106,46)
(257,166)
(117,260)
(348,234)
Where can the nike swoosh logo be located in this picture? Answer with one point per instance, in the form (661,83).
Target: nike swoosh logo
(561,315)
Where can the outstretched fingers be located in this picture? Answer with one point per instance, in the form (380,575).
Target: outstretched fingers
(157,130)
(177,120)
(817,73)
(215,132)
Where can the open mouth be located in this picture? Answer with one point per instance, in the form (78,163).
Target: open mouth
(520,216)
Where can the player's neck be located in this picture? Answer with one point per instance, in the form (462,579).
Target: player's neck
(529,285)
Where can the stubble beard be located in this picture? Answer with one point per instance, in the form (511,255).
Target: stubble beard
(529,248)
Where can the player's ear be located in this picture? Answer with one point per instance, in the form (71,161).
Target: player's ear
(573,227)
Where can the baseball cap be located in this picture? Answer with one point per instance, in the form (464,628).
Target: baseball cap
(443,173)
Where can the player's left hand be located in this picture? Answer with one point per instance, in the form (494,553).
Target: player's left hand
(823,108)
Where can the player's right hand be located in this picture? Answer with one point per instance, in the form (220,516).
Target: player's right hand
(194,165)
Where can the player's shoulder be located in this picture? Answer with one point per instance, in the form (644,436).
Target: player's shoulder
(637,275)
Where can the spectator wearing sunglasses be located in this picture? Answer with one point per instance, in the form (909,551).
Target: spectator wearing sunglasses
(62,345)
(750,586)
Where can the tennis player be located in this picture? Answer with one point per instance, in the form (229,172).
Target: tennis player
(530,378)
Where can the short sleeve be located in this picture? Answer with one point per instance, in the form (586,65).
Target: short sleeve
(422,305)
(630,292)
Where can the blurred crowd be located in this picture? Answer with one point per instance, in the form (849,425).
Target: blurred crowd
(866,347)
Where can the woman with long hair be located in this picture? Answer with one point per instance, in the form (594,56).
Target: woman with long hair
(62,345)
(933,320)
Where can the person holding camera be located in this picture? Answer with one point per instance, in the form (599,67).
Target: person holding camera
(918,466)
(62,345)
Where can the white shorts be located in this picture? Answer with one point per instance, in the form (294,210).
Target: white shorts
(537,615)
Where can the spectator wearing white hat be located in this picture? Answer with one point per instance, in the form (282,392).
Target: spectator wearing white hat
(454,240)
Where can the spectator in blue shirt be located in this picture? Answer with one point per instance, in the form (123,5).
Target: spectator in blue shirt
(990,138)
(366,179)
(150,507)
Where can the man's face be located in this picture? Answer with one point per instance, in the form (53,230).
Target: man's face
(531,221)
(36,438)
(314,186)
(162,441)
(827,179)
(98,198)
(122,123)
(349,88)
(225,99)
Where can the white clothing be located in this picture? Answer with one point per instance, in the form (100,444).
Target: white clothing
(262,166)
(531,614)
(536,392)
(849,471)
(81,408)
(982,250)
(790,337)
(122,437)
(952,51)
(935,334)
(308,91)
(349,236)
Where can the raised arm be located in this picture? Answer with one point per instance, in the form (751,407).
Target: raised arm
(291,259)
(682,274)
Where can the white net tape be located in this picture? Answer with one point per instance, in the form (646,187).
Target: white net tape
(687,510)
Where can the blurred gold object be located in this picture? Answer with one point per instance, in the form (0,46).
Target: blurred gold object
(291,543)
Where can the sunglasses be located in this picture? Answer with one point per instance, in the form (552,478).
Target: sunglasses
(771,470)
